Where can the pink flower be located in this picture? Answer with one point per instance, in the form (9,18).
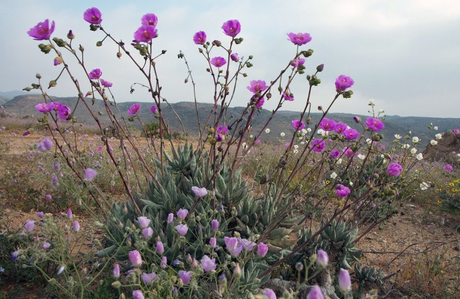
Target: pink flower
(170,218)
(134,108)
(218,61)
(42,30)
(46,245)
(257,101)
(348,152)
(327,124)
(147,233)
(160,247)
(232,28)
(145,34)
(288,96)
(144,222)
(298,124)
(137,294)
(93,16)
(57,61)
(90,174)
(199,38)
(233,246)
(334,153)
(456,131)
(43,107)
(153,109)
(135,258)
(95,74)
(340,128)
(182,213)
(315,293)
(69,213)
(182,229)
(186,276)
(269,293)
(350,134)
(222,130)
(262,249)
(344,281)
(299,38)
(30,225)
(322,258)
(148,278)
(394,169)
(76,226)
(63,112)
(343,82)
(208,263)
(234,57)
(45,145)
(149,19)
(318,145)
(200,192)
(342,190)
(257,86)
(215,225)
(106,83)
(247,245)
(212,242)
(116,271)
(448,167)
(374,124)
(297,62)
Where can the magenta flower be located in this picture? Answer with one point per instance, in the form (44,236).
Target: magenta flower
(144,222)
(233,245)
(343,82)
(262,249)
(95,74)
(46,245)
(215,225)
(149,19)
(93,16)
(43,107)
(208,263)
(42,30)
(182,213)
(76,226)
(222,130)
(448,167)
(232,28)
(147,233)
(350,134)
(374,124)
(257,101)
(135,258)
(106,83)
(394,169)
(297,62)
(234,57)
(116,271)
(218,61)
(318,145)
(186,276)
(334,153)
(148,278)
(456,131)
(134,108)
(30,225)
(342,190)
(160,247)
(315,293)
(344,281)
(145,34)
(63,112)
(327,124)
(340,128)
(69,213)
(257,86)
(288,96)
(269,293)
(57,61)
(299,38)
(137,294)
(90,174)
(298,124)
(200,192)
(182,229)
(153,109)
(322,258)
(212,242)
(199,38)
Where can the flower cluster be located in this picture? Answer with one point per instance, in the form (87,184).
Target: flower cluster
(62,111)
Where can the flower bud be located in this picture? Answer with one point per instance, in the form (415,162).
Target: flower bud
(119,54)
(237,271)
(99,44)
(320,68)
(116,284)
(70,35)
(38,76)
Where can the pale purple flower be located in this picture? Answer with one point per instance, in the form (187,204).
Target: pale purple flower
(15,255)
(76,226)
(48,197)
(69,213)
(288,96)
(297,62)
(334,153)
(46,144)
(318,145)
(116,271)
(148,278)
(234,57)
(299,38)
(394,169)
(315,293)
(344,281)
(233,246)
(170,218)
(200,192)
(90,174)
(93,16)
(448,167)
(182,213)
(95,74)
(145,34)
(56,166)
(212,242)
(199,38)
(137,294)
(208,263)
(348,152)
(46,245)
(257,86)
(215,225)
(134,108)
(153,109)
(182,229)
(327,124)
(147,233)
(43,107)
(374,124)
(456,131)
(262,249)
(232,28)
(42,30)
(149,19)
(135,258)
(350,134)
(298,124)
(164,262)
(39,214)
(106,83)
(342,190)
(160,247)
(343,82)
(269,293)
(218,61)
(30,225)
(144,222)
(322,258)
(186,276)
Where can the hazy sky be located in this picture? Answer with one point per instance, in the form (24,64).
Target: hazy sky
(403,54)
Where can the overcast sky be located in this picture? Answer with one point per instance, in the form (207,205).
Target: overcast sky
(403,54)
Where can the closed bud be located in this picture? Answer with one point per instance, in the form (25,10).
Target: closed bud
(320,68)
(38,76)
(122,296)
(269,95)
(248,64)
(99,44)
(238,40)
(299,266)
(81,48)
(70,35)
(347,94)
(59,42)
(320,108)
(52,83)
(116,284)
(119,54)
(237,271)
(27,88)
(251,57)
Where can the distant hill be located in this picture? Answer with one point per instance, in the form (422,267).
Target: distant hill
(24,105)
(8,95)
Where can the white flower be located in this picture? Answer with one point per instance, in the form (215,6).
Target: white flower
(415,139)
(308,130)
(397,136)
(405,145)
(245,146)
(413,150)
(419,156)
(435,128)
(303,132)
(361,156)
(282,134)
(433,142)
(333,175)
(371,102)
(339,161)
(296,146)
(424,186)
(381,111)
(251,136)
(350,183)
(369,141)
(321,132)
(295,151)
(438,136)
(267,130)
(302,142)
